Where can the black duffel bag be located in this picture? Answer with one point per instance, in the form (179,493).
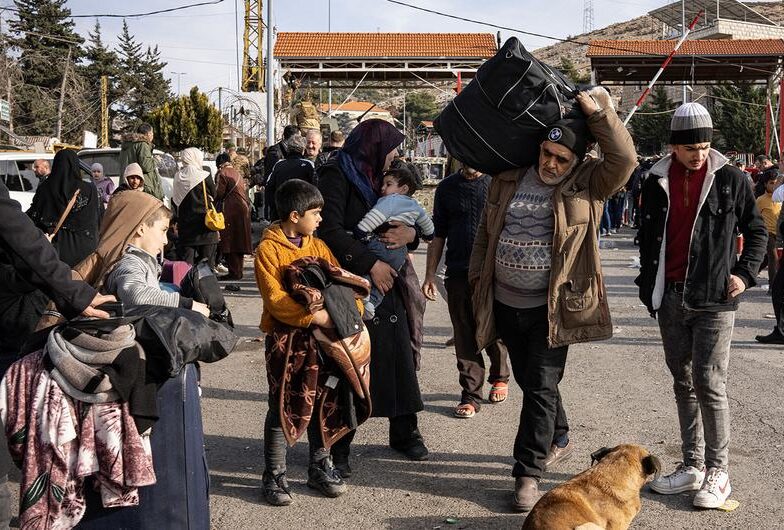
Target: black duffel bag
(497,121)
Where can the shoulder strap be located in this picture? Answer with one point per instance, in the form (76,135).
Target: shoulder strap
(204,187)
(64,216)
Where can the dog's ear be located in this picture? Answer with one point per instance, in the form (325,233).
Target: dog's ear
(651,465)
(597,455)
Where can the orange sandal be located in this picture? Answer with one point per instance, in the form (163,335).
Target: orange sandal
(465,410)
(498,392)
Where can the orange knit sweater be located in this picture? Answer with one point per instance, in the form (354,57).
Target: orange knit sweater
(273,255)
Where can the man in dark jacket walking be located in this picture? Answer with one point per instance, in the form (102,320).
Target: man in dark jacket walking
(691,280)
(137,147)
(277,152)
(294,166)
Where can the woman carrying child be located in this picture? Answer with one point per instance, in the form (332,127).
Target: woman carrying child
(351,185)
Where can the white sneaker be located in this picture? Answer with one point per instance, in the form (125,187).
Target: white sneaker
(714,490)
(220,268)
(684,478)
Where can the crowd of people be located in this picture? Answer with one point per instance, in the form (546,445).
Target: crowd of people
(343,307)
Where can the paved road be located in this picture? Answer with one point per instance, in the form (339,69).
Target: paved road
(616,391)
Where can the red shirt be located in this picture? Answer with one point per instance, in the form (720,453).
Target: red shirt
(685,190)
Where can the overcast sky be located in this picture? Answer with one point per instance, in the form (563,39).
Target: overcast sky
(200,42)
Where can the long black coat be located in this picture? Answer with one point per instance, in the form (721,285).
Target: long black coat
(394,388)
(191,229)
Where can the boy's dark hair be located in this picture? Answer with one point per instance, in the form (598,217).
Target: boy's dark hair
(289,131)
(296,195)
(161,213)
(405,174)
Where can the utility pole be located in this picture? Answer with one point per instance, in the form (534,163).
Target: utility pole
(220,101)
(7,73)
(683,31)
(62,97)
(179,76)
(104,111)
(270,78)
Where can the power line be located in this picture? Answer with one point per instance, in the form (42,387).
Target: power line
(128,15)
(569,39)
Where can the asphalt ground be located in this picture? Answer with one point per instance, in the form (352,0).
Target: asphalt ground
(615,391)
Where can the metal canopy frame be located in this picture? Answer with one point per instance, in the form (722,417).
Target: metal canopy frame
(671,14)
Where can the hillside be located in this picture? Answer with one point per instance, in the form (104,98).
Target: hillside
(644,27)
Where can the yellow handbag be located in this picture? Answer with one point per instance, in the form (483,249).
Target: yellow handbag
(213,218)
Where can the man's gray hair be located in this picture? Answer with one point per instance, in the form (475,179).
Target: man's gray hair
(295,144)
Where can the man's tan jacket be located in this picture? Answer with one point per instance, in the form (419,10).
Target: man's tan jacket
(576,301)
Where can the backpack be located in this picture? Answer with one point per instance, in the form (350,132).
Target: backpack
(497,121)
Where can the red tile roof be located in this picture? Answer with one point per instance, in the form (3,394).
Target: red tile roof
(362,45)
(624,48)
(351,106)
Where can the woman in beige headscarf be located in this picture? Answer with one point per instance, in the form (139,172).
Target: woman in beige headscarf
(123,215)
(191,184)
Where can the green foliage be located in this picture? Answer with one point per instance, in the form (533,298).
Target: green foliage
(141,81)
(652,131)
(420,105)
(570,70)
(42,34)
(99,61)
(188,121)
(738,119)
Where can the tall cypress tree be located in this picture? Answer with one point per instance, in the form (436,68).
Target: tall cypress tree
(141,81)
(651,126)
(100,61)
(739,117)
(43,34)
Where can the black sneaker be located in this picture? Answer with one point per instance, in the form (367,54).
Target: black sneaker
(414,451)
(276,489)
(323,476)
(341,464)
(775,337)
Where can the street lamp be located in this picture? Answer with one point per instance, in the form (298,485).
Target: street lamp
(179,75)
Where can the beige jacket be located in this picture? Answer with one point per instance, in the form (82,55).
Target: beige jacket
(577,300)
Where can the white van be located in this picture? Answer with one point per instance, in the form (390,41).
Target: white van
(16,172)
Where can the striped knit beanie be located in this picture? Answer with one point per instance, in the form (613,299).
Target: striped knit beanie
(691,124)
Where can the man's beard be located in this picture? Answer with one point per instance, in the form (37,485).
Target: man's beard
(554,181)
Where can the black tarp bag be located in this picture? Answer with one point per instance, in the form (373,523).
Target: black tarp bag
(497,121)
(201,284)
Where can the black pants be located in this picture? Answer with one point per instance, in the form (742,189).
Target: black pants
(403,433)
(275,446)
(470,363)
(194,254)
(777,297)
(538,370)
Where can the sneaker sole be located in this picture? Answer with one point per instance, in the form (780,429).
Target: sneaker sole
(708,505)
(682,489)
(330,494)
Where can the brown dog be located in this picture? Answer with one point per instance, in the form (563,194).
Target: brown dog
(605,496)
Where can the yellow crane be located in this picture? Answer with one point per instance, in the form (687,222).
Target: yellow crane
(252,59)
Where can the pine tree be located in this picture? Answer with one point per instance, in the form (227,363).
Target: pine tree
(100,61)
(130,80)
(651,126)
(739,118)
(43,34)
(570,70)
(209,122)
(188,121)
(157,89)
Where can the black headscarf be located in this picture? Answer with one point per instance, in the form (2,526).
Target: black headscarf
(222,159)
(53,195)
(368,146)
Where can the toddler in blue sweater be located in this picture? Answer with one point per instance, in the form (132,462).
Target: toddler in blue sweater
(395,204)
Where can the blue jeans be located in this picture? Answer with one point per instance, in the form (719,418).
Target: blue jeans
(697,352)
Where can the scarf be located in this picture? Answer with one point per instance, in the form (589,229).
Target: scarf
(190,175)
(367,148)
(80,361)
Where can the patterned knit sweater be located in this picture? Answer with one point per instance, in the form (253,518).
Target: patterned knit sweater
(522,259)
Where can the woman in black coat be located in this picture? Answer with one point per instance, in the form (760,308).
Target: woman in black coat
(78,236)
(195,241)
(350,184)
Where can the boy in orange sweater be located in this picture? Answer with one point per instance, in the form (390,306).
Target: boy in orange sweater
(299,205)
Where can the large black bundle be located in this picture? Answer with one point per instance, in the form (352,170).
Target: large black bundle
(497,121)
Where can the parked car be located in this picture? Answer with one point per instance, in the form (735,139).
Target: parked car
(16,172)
